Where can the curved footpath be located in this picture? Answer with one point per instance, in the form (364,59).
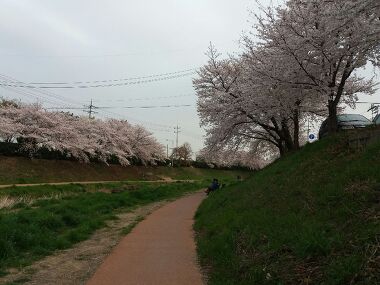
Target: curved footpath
(160,250)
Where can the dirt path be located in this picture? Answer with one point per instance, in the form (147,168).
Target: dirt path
(76,265)
(97,182)
(160,250)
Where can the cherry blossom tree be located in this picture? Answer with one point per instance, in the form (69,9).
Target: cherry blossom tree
(78,137)
(301,60)
(7,103)
(144,146)
(238,104)
(183,153)
(231,158)
(328,41)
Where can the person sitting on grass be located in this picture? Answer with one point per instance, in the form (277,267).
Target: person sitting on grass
(213,187)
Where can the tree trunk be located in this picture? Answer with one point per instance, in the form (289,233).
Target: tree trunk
(281,148)
(287,136)
(333,118)
(334,100)
(296,131)
(285,139)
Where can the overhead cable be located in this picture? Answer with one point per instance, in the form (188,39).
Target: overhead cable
(36,92)
(148,98)
(127,107)
(99,83)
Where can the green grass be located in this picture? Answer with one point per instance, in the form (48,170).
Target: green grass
(126,230)
(19,170)
(309,218)
(31,231)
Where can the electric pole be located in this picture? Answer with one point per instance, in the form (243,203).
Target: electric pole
(90,110)
(167,150)
(176,131)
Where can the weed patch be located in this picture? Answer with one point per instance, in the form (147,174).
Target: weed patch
(38,229)
(130,227)
(309,218)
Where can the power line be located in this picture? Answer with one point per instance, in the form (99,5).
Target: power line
(138,121)
(147,107)
(100,85)
(156,127)
(150,98)
(90,110)
(190,134)
(115,80)
(9,79)
(124,107)
(36,92)
(26,94)
(81,84)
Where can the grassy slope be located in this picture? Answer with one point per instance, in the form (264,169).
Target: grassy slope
(23,170)
(310,218)
(60,216)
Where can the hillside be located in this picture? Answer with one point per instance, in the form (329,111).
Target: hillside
(18,170)
(310,218)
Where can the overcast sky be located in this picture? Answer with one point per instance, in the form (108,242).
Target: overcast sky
(89,40)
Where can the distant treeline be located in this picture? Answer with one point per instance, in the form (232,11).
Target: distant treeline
(16,149)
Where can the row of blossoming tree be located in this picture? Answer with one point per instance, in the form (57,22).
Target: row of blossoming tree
(299,61)
(80,138)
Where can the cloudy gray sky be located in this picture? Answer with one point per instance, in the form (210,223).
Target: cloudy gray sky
(89,40)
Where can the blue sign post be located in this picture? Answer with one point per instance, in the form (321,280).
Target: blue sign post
(311,137)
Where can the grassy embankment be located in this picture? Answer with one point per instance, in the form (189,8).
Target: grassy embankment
(36,221)
(310,218)
(19,170)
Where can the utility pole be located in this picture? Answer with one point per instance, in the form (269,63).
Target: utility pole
(167,149)
(176,131)
(90,110)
